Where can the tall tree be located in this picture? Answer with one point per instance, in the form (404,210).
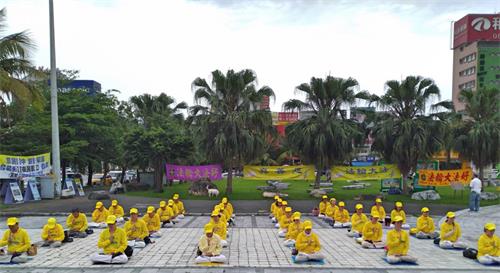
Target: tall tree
(231,127)
(325,138)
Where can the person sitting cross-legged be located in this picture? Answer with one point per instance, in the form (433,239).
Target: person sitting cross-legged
(152,222)
(307,245)
(136,230)
(330,211)
(77,224)
(488,246)
(372,233)
(181,211)
(113,241)
(277,210)
(398,244)
(425,226)
(99,216)
(342,217)
(116,210)
(166,213)
(209,247)
(285,220)
(379,208)
(323,205)
(219,227)
(228,207)
(398,211)
(52,233)
(17,241)
(358,221)
(280,212)
(294,229)
(273,206)
(450,233)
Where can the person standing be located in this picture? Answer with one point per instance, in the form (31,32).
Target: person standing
(475,193)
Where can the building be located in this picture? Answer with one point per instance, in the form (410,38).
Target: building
(92,87)
(476,54)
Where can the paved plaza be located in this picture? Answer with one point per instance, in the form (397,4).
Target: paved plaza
(254,246)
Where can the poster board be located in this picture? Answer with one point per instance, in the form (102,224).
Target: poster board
(32,193)
(13,194)
(68,185)
(79,187)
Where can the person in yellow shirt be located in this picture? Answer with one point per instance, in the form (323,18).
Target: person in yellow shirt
(379,208)
(294,229)
(277,210)
(372,233)
(358,221)
(136,230)
(330,211)
(219,227)
(280,212)
(398,211)
(273,206)
(52,233)
(227,216)
(116,210)
(99,216)
(17,241)
(228,207)
(180,206)
(341,217)
(171,205)
(323,205)
(113,242)
(284,222)
(488,246)
(398,243)
(152,221)
(308,245)
(166,213)
(209,247)
(77,224)
(450,233)
(425,226)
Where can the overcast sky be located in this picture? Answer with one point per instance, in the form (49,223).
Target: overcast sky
(152,46)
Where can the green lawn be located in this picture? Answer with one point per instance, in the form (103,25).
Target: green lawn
(247,190)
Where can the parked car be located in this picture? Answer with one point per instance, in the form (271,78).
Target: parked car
(97,178)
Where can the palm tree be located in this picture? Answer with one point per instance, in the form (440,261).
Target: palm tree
(326,137)
(479,138)
(232,128)
(452,123)
(15,66)
(403,133)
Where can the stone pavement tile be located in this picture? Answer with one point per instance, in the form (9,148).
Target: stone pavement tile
(264,222)
(199,222)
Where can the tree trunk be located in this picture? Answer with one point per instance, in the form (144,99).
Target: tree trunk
(63,177)
(138,178)
(124,169)
(106,170)
(481,177)
(318,179)
(448,159)
(229,186)
(91,172)
(158,183)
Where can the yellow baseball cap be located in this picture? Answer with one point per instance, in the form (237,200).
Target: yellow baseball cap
(288,209)
(296,216)
(12,221)
(375,214)
(176,196)
(333,199)
(425,209)
(398,219)
(399,204)
(280,200)
(359,206)
(490,226)
(215,213)
(134,210)
(378,200)
(276,197)
(163,204)
(151,209)
(98,205)
(114,202)
(170,202)
(51,222)
(284,203)
(341,204)
(111,219)
(324,197)
(208,228)
(308,224)
(450,214)
(224,200)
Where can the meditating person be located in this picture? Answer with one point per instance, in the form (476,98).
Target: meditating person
(358,221)
(273,206)
(166,213)
(116,210)
(372,233)
(450,233)
(341,217)
(226,214)
(113,242)
(398,211)
(172,206)
(330,211)
(77,224)
(425,226)
(99,216)
(280,212)
(284,222)
(323,205)
(277,210)
(307,245)
(379,208)
(398,243)
(488,246)
(219,227)
(294,229)
(17,241)
(228,207)
(52,234)
(152,222)
(179,207)
(222,214)
(209,247)
(136,230)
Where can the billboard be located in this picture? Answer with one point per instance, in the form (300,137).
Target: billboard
(476,27)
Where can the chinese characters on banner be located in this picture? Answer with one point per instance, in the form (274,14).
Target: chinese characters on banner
(301,172)
(365,173)
(194,173)
(444,178)
(24,166)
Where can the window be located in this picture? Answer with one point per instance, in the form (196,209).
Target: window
(467,85)
(467,59)
(497,76)
(467,72)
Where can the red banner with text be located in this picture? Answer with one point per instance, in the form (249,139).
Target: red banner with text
(444,177)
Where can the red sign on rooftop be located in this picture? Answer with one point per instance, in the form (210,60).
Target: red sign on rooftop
(476,27)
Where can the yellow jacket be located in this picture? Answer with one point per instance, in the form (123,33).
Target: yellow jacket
(226,214)
(100,216)
(330,210)
(16,242)
(381,211)
(273,208)
(116,211)
(165,214)
(279,212)
(372,232)
(137,230)
(210,245)
(285,221)
(450,232)
(176,210)
(180,207)
(395,213)
(358,221)
(115,245)
(307,243)
(53,234)
(153,223)
(398,243)
(220,228)
(488,246)
(323,206)
(77,224)
(294,230)
(341,216)
(230,209)
(425,224)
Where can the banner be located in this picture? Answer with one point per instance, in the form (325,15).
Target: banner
(24,166)
(444,177)
(365,173)
(301,172)
(193,173)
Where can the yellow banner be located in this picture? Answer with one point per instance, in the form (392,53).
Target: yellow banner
(444,178)
(301,172)
(365,173)
(24,166)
